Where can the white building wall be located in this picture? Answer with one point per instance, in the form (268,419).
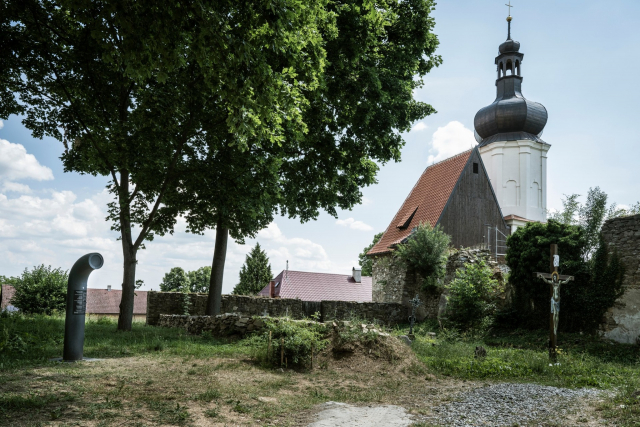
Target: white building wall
(518,173)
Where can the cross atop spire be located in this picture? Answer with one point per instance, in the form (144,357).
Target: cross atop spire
(509,20)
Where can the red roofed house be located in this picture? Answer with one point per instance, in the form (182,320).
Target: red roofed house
(100,302)
(319,286)
(456,194)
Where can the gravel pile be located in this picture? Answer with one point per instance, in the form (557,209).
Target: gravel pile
(508,404)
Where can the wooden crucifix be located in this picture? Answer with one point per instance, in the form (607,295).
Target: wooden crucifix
(554,280)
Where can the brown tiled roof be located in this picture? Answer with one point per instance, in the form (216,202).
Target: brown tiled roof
(321,287)
(429,195)
(99,301)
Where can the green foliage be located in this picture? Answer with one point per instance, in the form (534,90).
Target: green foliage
(135,93)
(425,251)
(584,301)
(351,121)
(199,280)
(44,335)
(590,216)
(471,296)
(527,253)
(176,280)
(5,280)
(366,263)
(255,273)
(297,338)
(603,289)
(43,290)
(568,214)
(522,356)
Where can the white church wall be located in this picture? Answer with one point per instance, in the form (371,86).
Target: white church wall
(518,173)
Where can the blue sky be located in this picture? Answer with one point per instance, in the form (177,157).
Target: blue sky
(580,62)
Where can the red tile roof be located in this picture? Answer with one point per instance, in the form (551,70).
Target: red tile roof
(429,195)
(99,301)
(321,287)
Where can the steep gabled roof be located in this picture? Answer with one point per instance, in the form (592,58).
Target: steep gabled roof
(425,202)
(321,287)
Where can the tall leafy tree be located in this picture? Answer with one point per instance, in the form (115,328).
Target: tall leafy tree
(377,54)
(366,263)
(199,279)
(176,280)
(255,273)
(133,88)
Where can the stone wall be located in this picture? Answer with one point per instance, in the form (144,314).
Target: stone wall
(172,303)
(393,282)
(389,314)
(220,326)
(622,321)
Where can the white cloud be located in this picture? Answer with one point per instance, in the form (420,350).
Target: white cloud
(366,201)
(419,126)
(16,188)
(1,124)
(354,225)
(449,140)
(16,164)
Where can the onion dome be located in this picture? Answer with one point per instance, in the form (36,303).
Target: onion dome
(511,116)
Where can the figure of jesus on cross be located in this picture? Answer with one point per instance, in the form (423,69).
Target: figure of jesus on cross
(554,280)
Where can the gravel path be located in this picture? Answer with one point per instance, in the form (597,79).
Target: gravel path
(505,404)
(508,404)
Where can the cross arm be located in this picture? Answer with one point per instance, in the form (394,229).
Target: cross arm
(550,275)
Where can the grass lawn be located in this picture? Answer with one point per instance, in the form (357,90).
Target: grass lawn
(157,376)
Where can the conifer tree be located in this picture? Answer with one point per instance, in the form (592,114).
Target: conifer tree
(255,273)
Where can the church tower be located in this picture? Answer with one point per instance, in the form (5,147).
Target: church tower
(508,132)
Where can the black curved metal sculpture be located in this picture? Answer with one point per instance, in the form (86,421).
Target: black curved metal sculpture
(77,305)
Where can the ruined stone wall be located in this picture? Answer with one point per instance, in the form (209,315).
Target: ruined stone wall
(393,282)
(389,314)
(171,303)
(220,326)
(622,321)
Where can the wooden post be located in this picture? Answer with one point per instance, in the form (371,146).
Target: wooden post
(553,339)
(281,351)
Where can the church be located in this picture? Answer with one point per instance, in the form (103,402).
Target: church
(482,195)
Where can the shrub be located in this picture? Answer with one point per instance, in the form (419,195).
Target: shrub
(42,290)
(425,251)
(297,338)
(471,296)
(597,284)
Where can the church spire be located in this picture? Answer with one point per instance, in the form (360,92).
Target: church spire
(510,113)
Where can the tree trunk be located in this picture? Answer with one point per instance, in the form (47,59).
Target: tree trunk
(128,287)
(129,252)
(214,301)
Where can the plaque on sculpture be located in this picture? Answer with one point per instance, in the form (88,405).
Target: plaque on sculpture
(79,302)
